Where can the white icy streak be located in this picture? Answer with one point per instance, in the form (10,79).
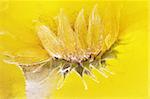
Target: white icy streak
(36,90)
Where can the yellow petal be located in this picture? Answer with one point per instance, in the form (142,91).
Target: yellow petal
(81,29)
(110,23)
(26,56)
(19,30)
(48,39)
(94,28)
(65,32)
(20,52)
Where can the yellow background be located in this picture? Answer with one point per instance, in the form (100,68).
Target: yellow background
(131,68)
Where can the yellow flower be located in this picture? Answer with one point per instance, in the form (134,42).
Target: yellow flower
(82,45)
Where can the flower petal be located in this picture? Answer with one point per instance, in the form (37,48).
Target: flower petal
(94,29)
(19,52)
(81,29)
(65,32)
(110,23)
(48,39)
